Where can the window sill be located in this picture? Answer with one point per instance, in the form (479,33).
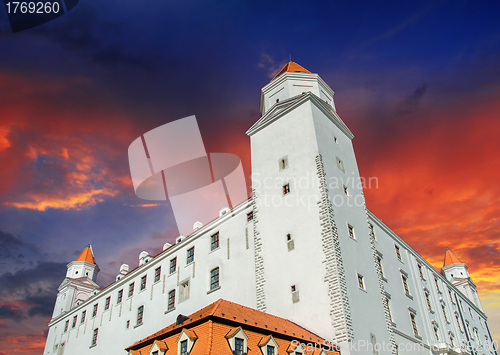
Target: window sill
(363,289)
(138,325)
(418,337)
(431,311)
(353,238)
(409,296)
(213,250)
(141,291)
(215,289)
(90,347)
(157,282)
(169,310)
(392,324)
(385,279)
(191,263)
(172,273)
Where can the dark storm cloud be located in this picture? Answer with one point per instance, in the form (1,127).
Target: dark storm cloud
(30,292)
(412,101)
(8,244)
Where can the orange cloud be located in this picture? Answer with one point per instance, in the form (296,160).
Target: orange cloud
(77,201)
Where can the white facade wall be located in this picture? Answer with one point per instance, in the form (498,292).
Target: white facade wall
(237,283)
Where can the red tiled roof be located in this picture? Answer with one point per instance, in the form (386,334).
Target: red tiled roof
(86,255)
(250,317)
(291,67)
(450,258)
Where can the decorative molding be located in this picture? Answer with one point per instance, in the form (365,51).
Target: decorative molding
(340,311)
(260,279)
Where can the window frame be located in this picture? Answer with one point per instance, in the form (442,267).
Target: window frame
(144,280)
(131,287)
(215,278)
(286,189)
(157,274)
(171,300)
(94,337)
(190,256)
(172,266)
(120,296)
(140,315)
(107,303)
(214,241)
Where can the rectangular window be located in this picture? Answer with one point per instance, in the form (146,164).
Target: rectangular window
(420,272)
(74,321)
(340,164)
(238,346)
(249,216)
(84,313)
(214,279)
(437,285)
(143,282)
(372,231)
(66,326)
(398,253)
(405,284)
(131,289)
(190,255)
(155,353)
(94,312)
(171,300)
(428,300)
(140,315)
(184,291)
(350,229)
(120,297)
(128,324)
(286,189)
(214,241)
(379,262)
(361,282)
(106,304)
(444,312)
(283,163)
(94,337)
(173,265)
(436,334)
(346,191)
(458,322)
(184,347)
(157,274)
(414,323)
(388,308)
(270,350)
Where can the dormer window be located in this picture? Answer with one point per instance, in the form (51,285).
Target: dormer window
(158,348)
(185,341)
(268,345)
(237,340)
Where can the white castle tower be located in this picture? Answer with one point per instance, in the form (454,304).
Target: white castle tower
(79,284)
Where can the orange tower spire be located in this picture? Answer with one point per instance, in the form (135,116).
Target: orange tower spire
(87,255)
(450,258)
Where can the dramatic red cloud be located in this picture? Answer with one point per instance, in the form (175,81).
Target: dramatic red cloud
(438,186)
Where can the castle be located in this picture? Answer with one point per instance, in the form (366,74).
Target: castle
(303,249)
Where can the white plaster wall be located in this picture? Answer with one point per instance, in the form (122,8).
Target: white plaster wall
(237,283)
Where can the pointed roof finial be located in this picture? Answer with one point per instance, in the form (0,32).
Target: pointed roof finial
(292,67)
(290,57)
(87,255)
(450,258)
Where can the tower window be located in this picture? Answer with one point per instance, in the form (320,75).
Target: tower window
(66,326)
(184,291)
(157,274)
(405,285)
(335,140)
(143,282)
(127,324)
(283,163)
(346,191)
(290,243)
(140,315)
(120,296)
(420,271)
(84,313)
(171,300)
(131,289)
(94,337)
(249,216)
(351,231)
(286,189)
(436,333)
(214,241)
(94,312)
(428,300)
(295,294)
(379,263)
(437,285)
(190,255)
(372,231)
(361,282)
(277,100)
(388,308)
(173,265)
(106,304)
(398,253)
(444,312)
(414,324)
(340,164)
(74,321)
(214,279)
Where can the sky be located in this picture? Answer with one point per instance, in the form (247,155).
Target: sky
(418,83)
